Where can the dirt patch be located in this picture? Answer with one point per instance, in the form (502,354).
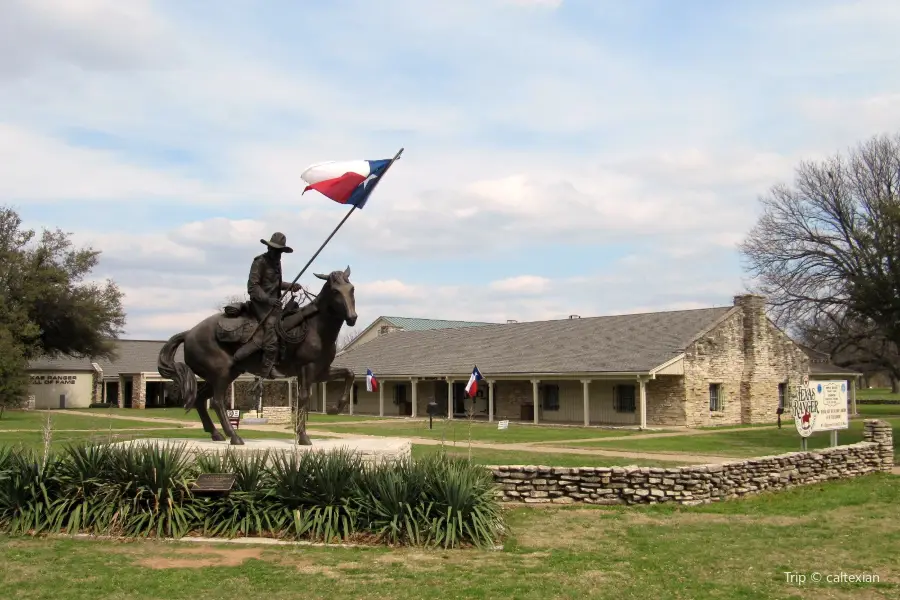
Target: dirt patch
(204,556)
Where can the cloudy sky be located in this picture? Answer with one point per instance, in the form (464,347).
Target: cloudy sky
(561,156)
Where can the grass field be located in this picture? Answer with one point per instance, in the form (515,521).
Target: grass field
(876,394)
(458,429)
(731,550)
(740,443)
(35,420)
(179,414)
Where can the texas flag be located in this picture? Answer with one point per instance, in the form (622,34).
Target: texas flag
(345,182)
(472,386)
(371,382)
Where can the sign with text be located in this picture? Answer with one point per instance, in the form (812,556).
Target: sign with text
(234,417)
(503,424)
(819,406)
(52,379)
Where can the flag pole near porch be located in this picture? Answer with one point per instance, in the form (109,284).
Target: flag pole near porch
(358,204)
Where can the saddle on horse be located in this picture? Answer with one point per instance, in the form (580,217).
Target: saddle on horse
(237,323)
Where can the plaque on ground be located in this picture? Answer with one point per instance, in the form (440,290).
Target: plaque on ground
(234,417)
(214,483)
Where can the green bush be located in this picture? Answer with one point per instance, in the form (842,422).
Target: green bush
(144,489)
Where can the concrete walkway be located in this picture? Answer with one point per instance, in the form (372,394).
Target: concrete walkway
(532,447)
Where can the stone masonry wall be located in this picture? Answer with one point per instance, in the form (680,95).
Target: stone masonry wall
(138,391)
(665,401)
(770,358)
(509,396)
(716,357)
(696,484)
(277,415)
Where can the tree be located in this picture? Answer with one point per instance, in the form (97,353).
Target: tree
(13,379)
(347,337)
(232,299)
(826,253)
(47,305)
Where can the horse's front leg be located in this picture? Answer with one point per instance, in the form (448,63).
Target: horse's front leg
(349,377)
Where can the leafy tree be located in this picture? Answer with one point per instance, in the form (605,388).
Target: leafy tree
(826,253)
(49,307)
(13,379)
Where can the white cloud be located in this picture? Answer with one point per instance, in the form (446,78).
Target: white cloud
(522,284)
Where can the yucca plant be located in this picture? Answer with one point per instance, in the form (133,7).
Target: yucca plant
(315,492)
(152,481)
(248,509)
(30,501)
(90,501)
(459,503)
(390,498)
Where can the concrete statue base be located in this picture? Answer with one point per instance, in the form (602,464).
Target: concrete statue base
(370,449)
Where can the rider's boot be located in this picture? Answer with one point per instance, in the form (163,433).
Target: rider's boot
(269,355)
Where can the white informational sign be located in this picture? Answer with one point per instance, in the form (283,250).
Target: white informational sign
(832,397)
(234,417)
(820,406)
(503,424)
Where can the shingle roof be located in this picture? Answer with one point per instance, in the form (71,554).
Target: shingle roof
(829,369)
(414,324)
(134,356)
(612,344)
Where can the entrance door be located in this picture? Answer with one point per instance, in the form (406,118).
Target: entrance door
(440,397)
(403,403)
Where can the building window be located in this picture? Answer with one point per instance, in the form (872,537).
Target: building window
(715,397)
(623,398)
(550,399)
(782,392)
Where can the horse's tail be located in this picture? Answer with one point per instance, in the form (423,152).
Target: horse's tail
(184,379)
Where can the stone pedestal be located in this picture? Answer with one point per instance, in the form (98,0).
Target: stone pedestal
(370,450)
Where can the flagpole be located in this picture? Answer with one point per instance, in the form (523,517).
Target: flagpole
(322,247)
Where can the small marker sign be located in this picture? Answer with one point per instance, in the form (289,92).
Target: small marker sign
(234,417)
(503,424)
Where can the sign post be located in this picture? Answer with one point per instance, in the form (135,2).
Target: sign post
(234,417)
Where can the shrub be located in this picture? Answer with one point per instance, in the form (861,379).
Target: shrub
(144,489)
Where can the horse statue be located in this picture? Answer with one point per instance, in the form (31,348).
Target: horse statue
(308,338)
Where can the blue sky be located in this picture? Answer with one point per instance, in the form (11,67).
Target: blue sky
(562,156)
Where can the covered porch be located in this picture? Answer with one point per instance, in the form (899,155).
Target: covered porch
(615,399)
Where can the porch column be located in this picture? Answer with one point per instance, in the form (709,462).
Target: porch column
(535,398)
(324,395)
(585,383)
(380,398)
(353,394)
(290,384)
(853,396)
(121,393)
(449,398)
(643,401)
(230,395)
(415,396)
(490,400)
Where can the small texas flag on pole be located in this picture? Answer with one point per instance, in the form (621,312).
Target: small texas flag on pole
(371,382)
(472,386)
(346,182)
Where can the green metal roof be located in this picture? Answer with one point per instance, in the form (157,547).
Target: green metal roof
(413,324)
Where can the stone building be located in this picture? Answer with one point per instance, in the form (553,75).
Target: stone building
(711,366)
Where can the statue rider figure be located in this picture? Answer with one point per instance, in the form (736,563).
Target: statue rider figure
(264,287)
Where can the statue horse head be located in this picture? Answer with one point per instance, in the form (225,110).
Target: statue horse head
(337,296)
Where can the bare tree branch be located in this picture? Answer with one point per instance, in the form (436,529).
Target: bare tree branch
(826,254)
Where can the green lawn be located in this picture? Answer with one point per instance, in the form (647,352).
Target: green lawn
(458,429)
(740,443)
(35,420)
(876,394)
(171,412)
(738,550)
(878,411)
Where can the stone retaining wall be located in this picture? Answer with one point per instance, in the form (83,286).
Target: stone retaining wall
(696,484)
(277,415)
